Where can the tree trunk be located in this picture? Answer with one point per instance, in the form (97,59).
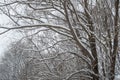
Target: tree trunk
(92,44)
(115,46)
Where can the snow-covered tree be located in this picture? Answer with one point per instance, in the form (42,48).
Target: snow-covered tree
(91,27)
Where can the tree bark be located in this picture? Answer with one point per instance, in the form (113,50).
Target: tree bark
(92,42)
(115,46)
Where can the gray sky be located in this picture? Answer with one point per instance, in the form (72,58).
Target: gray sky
(5,38)
(8,37)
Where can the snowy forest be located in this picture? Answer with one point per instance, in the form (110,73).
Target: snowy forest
(61,40)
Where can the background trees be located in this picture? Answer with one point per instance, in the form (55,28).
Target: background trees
(86,30)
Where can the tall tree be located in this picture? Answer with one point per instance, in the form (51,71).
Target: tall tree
(91,25)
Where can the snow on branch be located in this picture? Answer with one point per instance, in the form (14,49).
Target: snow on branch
(37,26)
(50,26)
(81,71)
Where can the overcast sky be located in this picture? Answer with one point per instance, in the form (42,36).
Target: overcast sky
(7,38)
(4,38)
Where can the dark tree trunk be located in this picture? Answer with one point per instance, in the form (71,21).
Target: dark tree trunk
(115,46)
(92,42)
